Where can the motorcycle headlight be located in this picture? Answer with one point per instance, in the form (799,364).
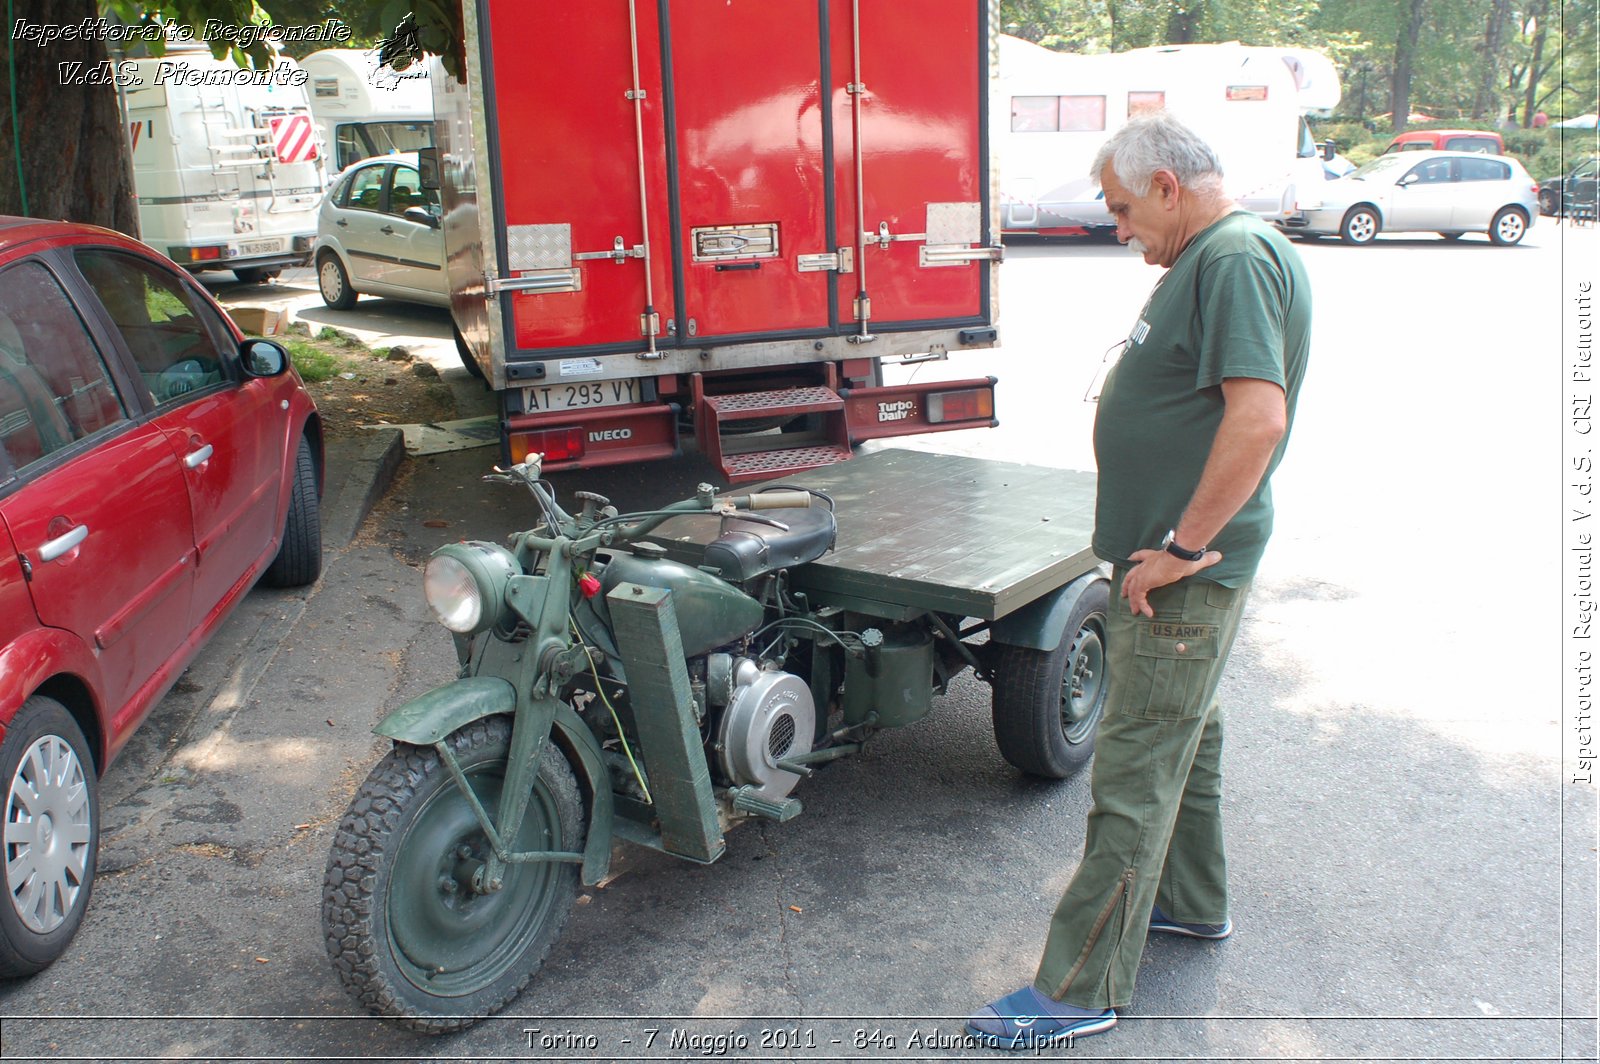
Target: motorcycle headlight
(465,585)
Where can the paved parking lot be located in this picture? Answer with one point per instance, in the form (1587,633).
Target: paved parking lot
(1413,874)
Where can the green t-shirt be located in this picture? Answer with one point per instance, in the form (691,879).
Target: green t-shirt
(1236,303)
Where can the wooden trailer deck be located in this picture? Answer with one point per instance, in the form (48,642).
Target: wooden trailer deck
(921,531)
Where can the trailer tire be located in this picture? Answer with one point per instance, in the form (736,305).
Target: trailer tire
(334,283)
(1047,704)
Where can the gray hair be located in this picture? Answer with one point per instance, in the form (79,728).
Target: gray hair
(1158,141)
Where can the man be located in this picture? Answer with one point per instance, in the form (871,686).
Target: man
(1191,423)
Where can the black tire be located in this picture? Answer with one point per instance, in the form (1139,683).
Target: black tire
(52,835)
(1047,705)
(1452,237)
(407,836)
(256,274)
(1509,226)
(1549,202)
(1360,225)
(467,360)
(334,283)
(299,560)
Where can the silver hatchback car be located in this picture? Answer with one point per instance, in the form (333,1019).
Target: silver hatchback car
(1446,192)
(378,234)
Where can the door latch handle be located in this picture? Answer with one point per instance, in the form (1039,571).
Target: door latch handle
(194,459)
(63,544)
(389,229)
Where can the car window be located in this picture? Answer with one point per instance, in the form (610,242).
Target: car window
(173,337)
(366,188)
(406,191)
(54,386)
(1416,145)
(1586,169)
(1481,144)
(1483,170)
(1432,172)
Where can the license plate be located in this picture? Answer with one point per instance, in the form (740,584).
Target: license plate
(261,247)
(582,396)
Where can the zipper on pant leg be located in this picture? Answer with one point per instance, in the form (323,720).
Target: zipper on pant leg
(1123,889)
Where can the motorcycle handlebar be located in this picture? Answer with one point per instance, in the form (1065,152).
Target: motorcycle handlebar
(771,500)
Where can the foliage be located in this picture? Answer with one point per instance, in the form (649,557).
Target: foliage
(313,363)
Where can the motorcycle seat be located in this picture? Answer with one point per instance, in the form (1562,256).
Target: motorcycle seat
(748,549)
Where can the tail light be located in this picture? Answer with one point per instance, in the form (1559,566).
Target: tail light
(557,445)
(972,404)
(189,254)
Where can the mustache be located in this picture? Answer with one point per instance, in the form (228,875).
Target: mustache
(1136,246)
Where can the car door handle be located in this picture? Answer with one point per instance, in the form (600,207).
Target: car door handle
(341,223)
(194,459)
(62,544)
(387,229)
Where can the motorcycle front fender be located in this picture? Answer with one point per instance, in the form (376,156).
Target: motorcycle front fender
(427,719)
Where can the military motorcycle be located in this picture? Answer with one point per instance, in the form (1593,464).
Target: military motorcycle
(622,681)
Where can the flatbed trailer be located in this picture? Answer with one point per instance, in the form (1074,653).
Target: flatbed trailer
(959,562)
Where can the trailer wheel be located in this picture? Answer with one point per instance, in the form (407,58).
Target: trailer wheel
(1047,704)
(334,283)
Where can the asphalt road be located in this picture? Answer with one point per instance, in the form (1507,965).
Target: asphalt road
(1412,876)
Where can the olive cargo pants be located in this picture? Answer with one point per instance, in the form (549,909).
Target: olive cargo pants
(1155,831)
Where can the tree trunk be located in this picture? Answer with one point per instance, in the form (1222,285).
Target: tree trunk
(66,155)
(1540,13)
(1183,21)
(1405,53)
(1494,35)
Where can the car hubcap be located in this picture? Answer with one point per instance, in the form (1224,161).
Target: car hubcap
(1083,687)
(1361,227)
(330,279)
(1510,227)
(47,833)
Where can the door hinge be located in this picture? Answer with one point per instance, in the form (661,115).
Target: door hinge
(843,260)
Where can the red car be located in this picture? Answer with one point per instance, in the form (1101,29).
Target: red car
(154,464)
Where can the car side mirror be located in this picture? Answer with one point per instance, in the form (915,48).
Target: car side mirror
(1329,150)
(1409,179)
(428,167)
(263,358)
(422,216)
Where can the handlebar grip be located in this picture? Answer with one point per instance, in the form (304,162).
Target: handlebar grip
(773,500)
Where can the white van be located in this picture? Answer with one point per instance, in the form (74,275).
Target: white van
(364,111)
(226,162)
(1053,111)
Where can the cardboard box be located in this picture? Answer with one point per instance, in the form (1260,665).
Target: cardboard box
(258,321)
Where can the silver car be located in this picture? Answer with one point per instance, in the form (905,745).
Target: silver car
(378,234)
(1445,192)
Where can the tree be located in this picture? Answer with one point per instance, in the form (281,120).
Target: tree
(70,154)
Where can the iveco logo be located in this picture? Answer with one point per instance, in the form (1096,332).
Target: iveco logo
(610,434)
(897,411)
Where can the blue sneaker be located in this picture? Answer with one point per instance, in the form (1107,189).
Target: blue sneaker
(1029,1020)
(1166,925)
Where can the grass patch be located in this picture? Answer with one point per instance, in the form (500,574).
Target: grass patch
(313,363)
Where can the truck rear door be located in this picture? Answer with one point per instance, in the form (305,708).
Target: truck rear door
(687,174)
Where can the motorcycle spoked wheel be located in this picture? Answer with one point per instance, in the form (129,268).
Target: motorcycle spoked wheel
(408,937)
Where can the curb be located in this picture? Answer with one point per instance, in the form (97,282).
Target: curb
(356,474)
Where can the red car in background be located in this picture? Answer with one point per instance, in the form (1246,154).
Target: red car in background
(154,464)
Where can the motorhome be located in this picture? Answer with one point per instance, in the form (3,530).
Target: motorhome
(225,161)
(363,110)
(1053,111)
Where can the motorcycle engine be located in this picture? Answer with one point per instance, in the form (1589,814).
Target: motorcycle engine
(769,716)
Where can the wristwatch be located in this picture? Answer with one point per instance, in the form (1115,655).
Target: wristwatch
(1169,543)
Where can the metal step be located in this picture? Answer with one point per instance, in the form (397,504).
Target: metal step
(763,465)
(741,406)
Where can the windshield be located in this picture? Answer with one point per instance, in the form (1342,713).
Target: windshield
(1308,147)
(1383,164)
